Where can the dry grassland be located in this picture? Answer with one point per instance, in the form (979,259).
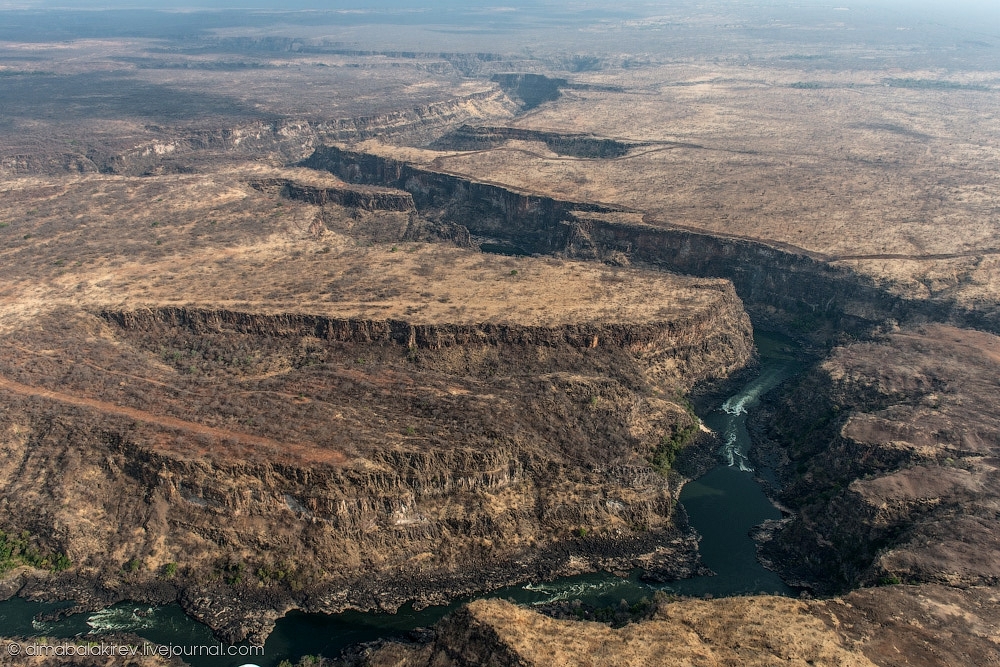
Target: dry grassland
(895,174)
(212,241)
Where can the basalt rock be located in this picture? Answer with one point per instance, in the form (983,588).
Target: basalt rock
(891,453)
(398,461)
(369,199)
(781,287)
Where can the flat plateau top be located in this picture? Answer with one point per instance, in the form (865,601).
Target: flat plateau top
(213,241)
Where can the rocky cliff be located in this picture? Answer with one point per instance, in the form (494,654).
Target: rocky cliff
(245,464)
(704,345)
(891,464)
(366,199)
(783,289)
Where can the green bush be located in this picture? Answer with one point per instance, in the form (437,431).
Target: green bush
(17,551)
(670,444)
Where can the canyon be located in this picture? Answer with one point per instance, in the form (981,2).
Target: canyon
(307,323)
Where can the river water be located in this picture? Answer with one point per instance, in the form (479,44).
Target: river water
(723,505)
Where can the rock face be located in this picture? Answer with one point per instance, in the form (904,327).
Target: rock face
(370,199)
(891,469)
(245,464)
(695,343)
(779,286)
(469,138)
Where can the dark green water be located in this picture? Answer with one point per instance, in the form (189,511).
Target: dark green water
(723,506)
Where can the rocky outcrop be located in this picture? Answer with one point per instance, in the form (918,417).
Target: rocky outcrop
(367,199)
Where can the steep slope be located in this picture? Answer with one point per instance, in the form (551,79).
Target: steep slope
(258,413)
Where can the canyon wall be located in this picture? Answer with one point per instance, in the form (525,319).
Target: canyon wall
(356,464)
(174,149)
(889,462)
(782,289)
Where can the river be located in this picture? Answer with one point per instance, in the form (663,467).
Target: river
(723,505)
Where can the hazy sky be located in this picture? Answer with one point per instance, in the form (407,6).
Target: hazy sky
(935,6)
(977,16)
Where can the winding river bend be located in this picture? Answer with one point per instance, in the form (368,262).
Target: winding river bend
(723,505)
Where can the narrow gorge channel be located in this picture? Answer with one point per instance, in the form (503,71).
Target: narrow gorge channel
(722,505)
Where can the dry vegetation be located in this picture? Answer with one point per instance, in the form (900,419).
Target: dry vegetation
(753,631)
(210,240)
(903,625)
(290,469)
(899,180)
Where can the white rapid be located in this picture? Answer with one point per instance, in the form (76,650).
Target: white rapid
(732,423)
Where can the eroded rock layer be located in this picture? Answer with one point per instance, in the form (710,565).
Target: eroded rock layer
(245,464)
(891,463)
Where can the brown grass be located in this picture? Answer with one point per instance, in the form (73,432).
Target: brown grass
(210,240)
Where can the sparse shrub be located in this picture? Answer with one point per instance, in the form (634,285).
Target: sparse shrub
(16,551)
(61,562)
(666,452)
(234,573)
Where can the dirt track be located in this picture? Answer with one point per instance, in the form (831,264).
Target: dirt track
(308,452)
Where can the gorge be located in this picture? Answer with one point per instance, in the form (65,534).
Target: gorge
(311,333)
